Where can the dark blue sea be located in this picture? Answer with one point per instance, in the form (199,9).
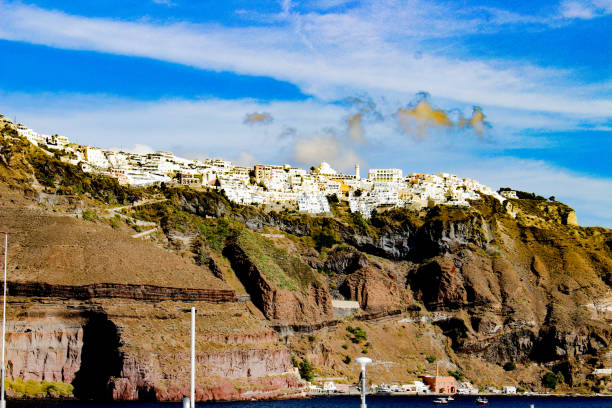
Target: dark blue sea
(350,402)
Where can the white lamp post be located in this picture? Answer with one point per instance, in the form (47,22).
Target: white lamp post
(363,361)
(189,402)
(193,365)
(2,368)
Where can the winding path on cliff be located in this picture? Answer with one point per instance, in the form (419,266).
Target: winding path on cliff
(116,212)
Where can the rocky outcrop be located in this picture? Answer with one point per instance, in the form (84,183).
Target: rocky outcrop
(312,304)
(47,347)
(121,291)
(345,260)
(144,379)
(92,347)
(374,291)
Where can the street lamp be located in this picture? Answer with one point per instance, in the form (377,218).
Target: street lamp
(189,402)
(2,367)
(363,361)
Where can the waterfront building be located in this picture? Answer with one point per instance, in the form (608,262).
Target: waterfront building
(440,384)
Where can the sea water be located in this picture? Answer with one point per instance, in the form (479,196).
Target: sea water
(347,402)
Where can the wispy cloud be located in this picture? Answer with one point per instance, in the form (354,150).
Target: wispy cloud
(585,9)
(168,3)
(355,52)
(327,147)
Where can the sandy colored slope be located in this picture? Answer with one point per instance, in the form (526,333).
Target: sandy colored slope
(64,250)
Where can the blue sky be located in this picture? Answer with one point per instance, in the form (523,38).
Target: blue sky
(183,75)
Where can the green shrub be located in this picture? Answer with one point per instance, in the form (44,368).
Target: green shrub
(347,360)
(510,366)
(33,388)
(358,334)
(332,199)
(90,215)
(458,374)
(115,222)
(306,371)
(430,359)
(550,380)
(360,223)
(324,240)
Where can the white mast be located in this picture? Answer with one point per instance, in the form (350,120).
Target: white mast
(193,366)
(2,368)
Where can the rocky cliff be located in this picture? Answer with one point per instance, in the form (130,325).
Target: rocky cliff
(501,293)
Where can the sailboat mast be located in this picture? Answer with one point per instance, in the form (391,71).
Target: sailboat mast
(2,368)
(193,366)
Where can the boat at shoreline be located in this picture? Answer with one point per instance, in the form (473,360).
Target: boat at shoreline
(440,401)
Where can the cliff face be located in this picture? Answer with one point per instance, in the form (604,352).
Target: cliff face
(99,348)
(311,305)
(503,286)
(474,288)
(45,345)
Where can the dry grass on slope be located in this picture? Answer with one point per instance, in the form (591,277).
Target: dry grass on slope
(63,250)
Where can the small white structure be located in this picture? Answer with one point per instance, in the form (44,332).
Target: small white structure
(417,387)
(509,194)
(345,308)
(466,388)
(329,386)
(509,389)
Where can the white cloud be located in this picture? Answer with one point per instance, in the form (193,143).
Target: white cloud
(137,148)
(326,148)
(585,9)
(186,127)
(168,3)
(370,48)
(246,159)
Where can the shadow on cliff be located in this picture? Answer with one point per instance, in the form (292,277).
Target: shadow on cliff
(100,359)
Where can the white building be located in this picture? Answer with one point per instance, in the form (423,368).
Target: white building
(329,386)
(313,203)
(509,194)
(509,389)
(417,387)
(96,157)
(385,175)
(466,388)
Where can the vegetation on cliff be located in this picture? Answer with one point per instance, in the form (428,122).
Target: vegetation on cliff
(508,291)
(38,389)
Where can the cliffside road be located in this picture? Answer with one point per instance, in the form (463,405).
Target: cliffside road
(137,204)
(145,233)
(115,211)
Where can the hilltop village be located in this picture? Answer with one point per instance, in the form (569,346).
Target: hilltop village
(476,288)
(274,186)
